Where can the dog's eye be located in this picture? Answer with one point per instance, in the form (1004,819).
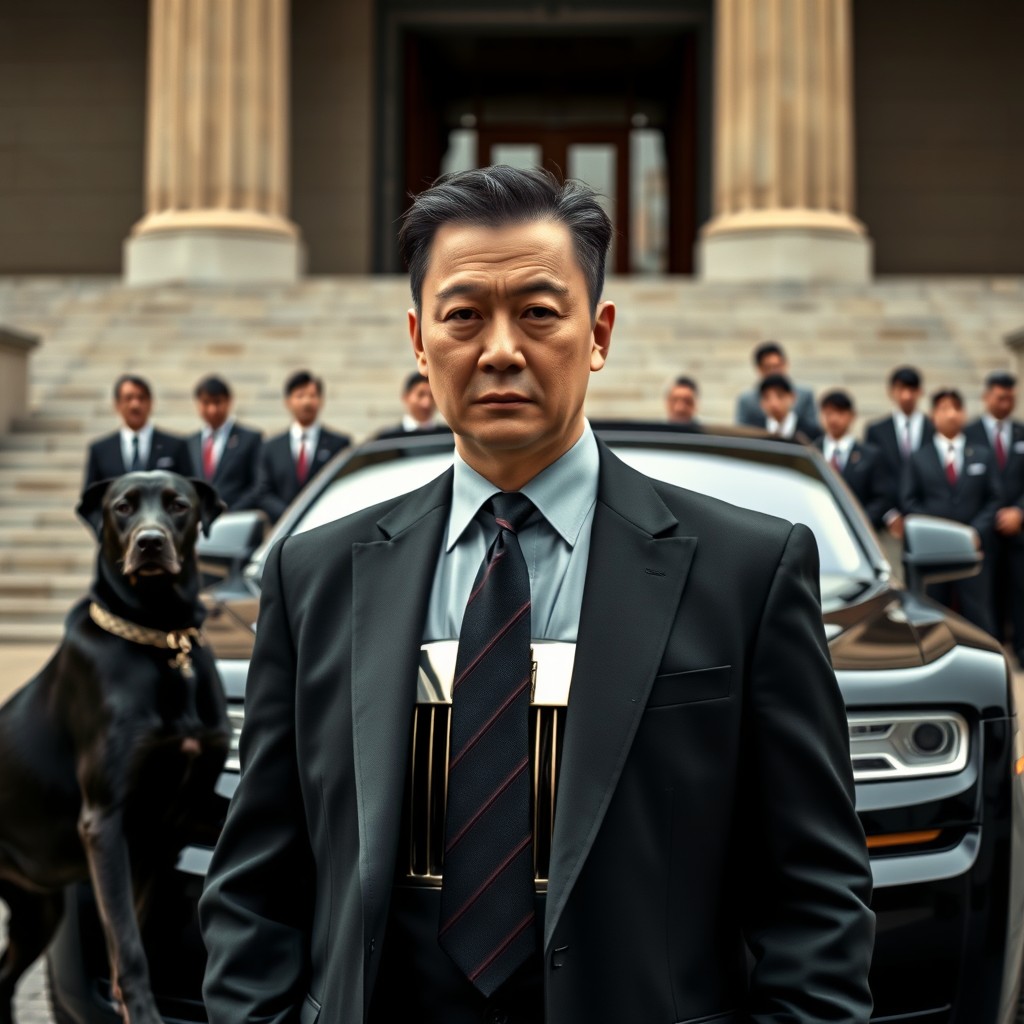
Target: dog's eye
(181,505)
(123,508)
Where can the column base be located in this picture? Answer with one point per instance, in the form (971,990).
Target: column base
(211,256)
(785,252)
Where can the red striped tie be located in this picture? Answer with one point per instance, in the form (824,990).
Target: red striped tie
(302,465)
(487,895)
(209,463)
(1000,449)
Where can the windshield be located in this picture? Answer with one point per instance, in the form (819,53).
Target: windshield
(787,486)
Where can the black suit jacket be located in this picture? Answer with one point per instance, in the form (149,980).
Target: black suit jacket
(105,461)
(882,434)
(864,474)
(705,801)
(278,485)
(1012,477)
(975,498)
(236,477)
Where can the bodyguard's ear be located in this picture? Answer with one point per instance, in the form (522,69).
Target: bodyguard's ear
(90,507)
(210,505)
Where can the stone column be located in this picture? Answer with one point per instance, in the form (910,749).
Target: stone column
(783,158)
(217,146)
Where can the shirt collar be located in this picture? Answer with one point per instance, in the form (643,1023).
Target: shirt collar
(786,426)
(564,492)
(144,434)
(311,431)
(943,443)
(222,431)
(844,444)
(992,425)
(410,425)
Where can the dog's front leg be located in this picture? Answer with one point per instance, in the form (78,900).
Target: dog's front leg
(107,853)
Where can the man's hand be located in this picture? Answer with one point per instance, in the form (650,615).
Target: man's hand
(1009,521)
(895,527)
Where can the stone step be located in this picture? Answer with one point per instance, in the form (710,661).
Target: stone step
(66,586)
(33,610)
(36,558)
(73,535)
(31,632)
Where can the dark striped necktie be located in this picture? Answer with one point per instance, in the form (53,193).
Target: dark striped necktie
(487,895)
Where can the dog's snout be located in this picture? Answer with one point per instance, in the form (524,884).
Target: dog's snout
(151,542)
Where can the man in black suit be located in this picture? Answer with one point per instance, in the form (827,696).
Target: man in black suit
(681,402)
(138,444)
(704,793)
(289,461)
(226,453)
(897,437)
(778,410)
(858,464)
(1004,437)
(951,477)
(420,410)
(771,361)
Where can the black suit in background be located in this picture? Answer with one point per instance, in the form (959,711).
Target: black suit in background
(973,500)
(705,800)
(1005,555)
(278,483)
(236,476)
(865,476)
(882,435)
(166,451)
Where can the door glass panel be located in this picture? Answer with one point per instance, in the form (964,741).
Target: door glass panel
(648,186)
(595,163)
(523,155)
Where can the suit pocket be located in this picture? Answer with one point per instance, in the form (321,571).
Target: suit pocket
(164,462)
(676,688)
(310,1010)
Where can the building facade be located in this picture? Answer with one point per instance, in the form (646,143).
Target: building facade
(248,140)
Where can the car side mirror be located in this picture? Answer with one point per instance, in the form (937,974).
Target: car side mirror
(938,550)
(232,539)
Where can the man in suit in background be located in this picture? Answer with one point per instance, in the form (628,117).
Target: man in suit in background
(681,402)
(226,453)
(420,410)
(897,437)
(859,465)
(952,477)
(1004,436)
(138,444)
(771,361)
(289,461)
(778,411)
(704,790)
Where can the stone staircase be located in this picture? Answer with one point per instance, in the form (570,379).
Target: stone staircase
(352,331)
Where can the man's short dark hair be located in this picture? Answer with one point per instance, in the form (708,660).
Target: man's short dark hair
(837,399)
(212,387)
(498,196)
(686,382)
(775,382)
(951,393)
(905,375)
(414,380)
(768,348)
(300,379)
(130,378)
(1000,379)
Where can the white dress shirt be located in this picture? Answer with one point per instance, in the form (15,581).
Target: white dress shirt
(787,428)
(555,545)
(943,446)
(312,433)
(841,448)
(411,425)
(145,436)
(915,421)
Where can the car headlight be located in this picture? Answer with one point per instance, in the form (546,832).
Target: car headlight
(904,745)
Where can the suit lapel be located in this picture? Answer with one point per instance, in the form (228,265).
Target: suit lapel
(635,577)
(225,454)
(195,451)
(391,581)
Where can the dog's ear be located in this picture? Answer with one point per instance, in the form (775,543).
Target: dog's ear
(90,507)
(210,505)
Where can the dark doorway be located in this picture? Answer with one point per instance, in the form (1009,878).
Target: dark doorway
(619,111)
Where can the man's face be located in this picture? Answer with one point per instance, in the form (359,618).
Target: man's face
(772,363)
(905,397)
(214,410)
(133,405)
(949,417)
(1000,402)
(304,404)
(776,403)
(837,421)
(681,404)
(419,402)
(506,337)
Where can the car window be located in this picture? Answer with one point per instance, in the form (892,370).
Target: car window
(779,488)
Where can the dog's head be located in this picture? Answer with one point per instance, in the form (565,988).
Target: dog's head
(148,523)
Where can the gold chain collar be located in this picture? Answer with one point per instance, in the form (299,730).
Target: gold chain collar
(180,640)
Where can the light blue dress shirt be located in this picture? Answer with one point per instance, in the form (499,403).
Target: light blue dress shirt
(555,545)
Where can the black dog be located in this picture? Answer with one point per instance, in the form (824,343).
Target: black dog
(105,751)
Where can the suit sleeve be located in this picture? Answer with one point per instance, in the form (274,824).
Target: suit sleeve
(984,521)
(877,494)
(911,491)
(256,910)
(266,497)
(183,463)
(249,498)
(92,470)
(808,880)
